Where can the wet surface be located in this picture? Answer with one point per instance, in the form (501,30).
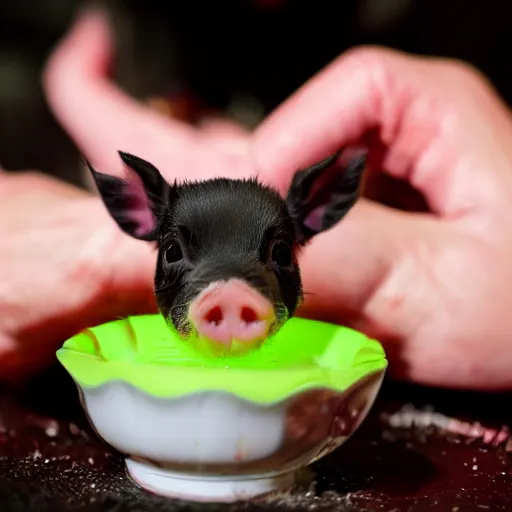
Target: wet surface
(403,458)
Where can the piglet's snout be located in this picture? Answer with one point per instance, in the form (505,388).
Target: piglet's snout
(232,310)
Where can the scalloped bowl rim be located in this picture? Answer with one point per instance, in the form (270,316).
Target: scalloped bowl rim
(286,365)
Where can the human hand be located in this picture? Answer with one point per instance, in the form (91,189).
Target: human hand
(432,286)
(65,264)
(64,267)
(102,120)
(428,285)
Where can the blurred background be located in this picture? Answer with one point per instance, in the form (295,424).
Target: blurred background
(242,57)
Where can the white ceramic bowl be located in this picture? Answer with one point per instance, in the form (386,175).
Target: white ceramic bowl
(214,446)
(200,430)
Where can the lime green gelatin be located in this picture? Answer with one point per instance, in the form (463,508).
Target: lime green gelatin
(144,352)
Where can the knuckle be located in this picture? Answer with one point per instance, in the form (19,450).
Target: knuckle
(376,59)
(369,54)
(459,75)
(370,60)
(461,70)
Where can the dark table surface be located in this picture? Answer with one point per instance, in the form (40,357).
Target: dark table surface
(51,460)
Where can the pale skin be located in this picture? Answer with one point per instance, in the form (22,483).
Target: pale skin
(433,287)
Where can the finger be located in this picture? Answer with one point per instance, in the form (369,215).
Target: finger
(36,185)
(432,118)
(214,125)
(96,275)
(95,112)
(329,259)
(225,134)
(360,274)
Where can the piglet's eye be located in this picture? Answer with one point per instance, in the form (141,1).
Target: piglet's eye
(173,253)
(281,254)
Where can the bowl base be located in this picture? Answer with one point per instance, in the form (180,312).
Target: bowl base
(221,489)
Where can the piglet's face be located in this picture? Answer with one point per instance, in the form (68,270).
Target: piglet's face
(227,249)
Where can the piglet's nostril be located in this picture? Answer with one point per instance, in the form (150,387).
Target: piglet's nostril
(248,315)
(214,316)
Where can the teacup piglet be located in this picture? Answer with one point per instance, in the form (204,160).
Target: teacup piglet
(227,269)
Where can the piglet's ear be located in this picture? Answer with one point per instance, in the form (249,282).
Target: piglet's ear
(321,195)
(135,202)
